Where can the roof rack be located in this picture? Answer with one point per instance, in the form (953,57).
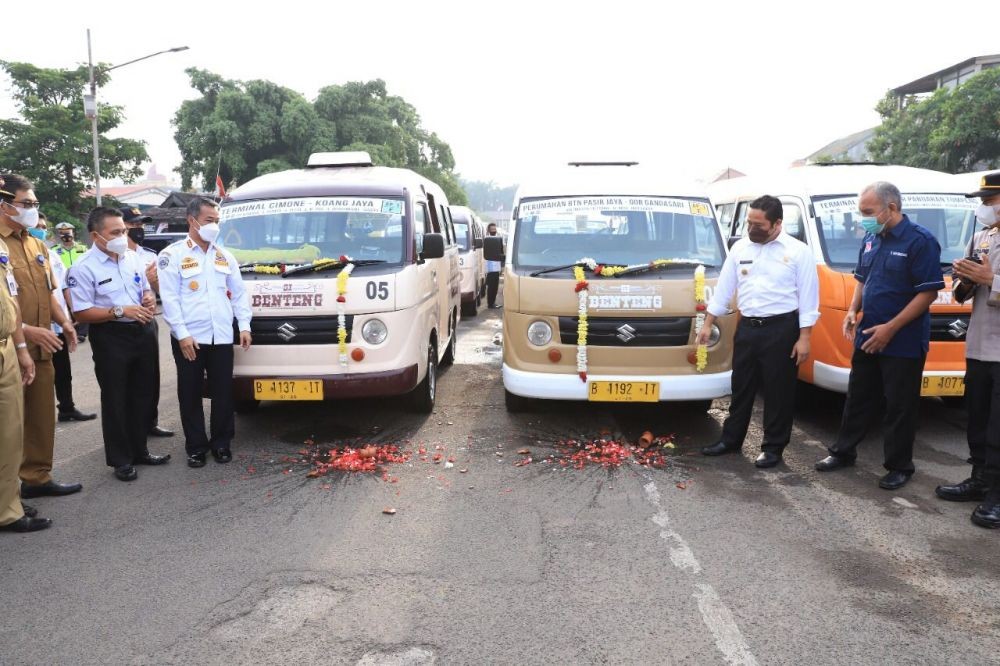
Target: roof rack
(343,159)
(849,163)
(579,164)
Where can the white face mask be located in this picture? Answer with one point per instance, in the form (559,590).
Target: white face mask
(118,245)
(987,215)
(27,218)
(209,232)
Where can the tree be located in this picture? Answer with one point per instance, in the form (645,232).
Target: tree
(488,196)
(258,127)
(951,130)
(51,142)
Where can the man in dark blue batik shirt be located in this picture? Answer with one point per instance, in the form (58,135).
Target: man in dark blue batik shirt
(899,275)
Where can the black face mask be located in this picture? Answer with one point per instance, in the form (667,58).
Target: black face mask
(758,235)
(66,238)
(137,234)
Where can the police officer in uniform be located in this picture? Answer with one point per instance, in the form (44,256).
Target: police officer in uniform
(979,279)
(29,258)
(14,516)
(134,220)
(109,291)
(202,292)
(67,249)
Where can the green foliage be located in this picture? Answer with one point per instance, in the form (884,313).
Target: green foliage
(488,196)
(258,127)
(952,130)
(51,141)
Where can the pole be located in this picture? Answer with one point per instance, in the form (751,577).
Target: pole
(93,124)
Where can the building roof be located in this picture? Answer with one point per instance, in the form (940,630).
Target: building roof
(839,147)
(929,83)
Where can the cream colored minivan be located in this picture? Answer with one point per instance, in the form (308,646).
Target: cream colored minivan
(470,231)
(607,272)
(352,271)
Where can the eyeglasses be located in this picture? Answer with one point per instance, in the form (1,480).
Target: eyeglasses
(27,204)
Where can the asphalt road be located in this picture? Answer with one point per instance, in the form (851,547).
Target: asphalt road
(705,561)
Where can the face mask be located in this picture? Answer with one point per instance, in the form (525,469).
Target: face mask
(209,232)
(986,215)
(66,238)
(118,245)
(758,235)
(37,233)
(871,225)
(137,235)
(27,218)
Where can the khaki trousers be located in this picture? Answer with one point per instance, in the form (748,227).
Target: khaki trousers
(11,434)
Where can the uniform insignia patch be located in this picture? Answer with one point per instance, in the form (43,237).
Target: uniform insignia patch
(164,261)
(193,285)
(71,282)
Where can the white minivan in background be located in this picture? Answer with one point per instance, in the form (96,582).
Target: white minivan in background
(470,232)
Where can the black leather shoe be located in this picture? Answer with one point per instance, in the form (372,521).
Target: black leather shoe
(196,459)
(27,524)
(49,489)
(894,480)
(767,459)
(150,459)
(987,514)
(972,489)
(718,449)
(76,415)
(157,431)
(222,455)
(832,462)
(126,473)
(29,511)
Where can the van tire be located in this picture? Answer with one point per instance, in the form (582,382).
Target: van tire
(516,403)
(246,406)
(452,348)
(422,398)
(699,406)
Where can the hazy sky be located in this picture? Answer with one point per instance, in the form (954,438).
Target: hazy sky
(517,87)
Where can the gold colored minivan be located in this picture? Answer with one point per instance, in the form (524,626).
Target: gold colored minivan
(607,272)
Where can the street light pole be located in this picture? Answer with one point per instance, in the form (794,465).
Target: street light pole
(90,107)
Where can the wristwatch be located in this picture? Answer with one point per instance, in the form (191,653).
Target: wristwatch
(118,311)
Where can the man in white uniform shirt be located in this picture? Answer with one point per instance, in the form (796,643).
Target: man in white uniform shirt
(774,278)
(202,293)
(136,234)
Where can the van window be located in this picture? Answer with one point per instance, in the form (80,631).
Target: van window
(449,229)
(791,222)
(950,217)
(726,212)
(616,230)
(462,233)
(433,216)
(421,225)
(302,230)
(740,222)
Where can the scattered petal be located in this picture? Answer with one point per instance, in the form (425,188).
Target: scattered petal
(389,511)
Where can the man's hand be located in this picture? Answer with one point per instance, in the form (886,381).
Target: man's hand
(881,336)
(44,338)
(153,277)
(189,348)
(800,352)
(149,300)
(851,322)
(70,334)
(245,340)
(140,313)
(972,272)
(27,366)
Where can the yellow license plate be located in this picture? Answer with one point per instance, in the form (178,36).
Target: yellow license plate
(623,391)
(943,386)
(288,389)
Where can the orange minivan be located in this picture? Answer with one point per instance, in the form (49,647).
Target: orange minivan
(820,209)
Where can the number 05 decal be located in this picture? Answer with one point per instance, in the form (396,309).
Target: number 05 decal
(379,290)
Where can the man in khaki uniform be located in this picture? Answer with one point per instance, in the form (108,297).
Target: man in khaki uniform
(13,516)
(29,258)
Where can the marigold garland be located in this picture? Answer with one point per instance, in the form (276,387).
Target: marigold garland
(701,353)
(342,277)
(581,326)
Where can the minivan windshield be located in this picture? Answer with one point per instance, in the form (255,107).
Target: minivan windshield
(303,230)
(950,217)
(615,230)
(462,235)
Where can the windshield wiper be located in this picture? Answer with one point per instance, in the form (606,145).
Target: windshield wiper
(327,265)
(554,269)
(253,264)
(679,263)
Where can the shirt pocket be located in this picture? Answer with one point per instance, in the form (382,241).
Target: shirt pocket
(896,264)
(108,288)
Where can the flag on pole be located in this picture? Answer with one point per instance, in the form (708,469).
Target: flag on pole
(220,190)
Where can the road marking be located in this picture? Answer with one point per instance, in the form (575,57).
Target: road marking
(716,615)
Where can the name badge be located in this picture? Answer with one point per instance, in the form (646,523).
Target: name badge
(11,283)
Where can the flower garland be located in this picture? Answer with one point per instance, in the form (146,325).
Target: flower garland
(581,326)
(342,277)
(582,289)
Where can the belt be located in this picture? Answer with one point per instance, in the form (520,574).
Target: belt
(757,322)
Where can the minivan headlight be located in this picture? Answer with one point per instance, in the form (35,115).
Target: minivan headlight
(539,333)
(374,332)
(714,335)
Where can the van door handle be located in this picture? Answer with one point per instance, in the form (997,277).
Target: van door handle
(434,274)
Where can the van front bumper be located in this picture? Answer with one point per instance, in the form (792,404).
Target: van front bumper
(354,385)
(835,378)
(569,387)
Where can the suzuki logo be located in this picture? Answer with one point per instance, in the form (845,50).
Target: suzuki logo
(286,332)
(958,329)
(626,333)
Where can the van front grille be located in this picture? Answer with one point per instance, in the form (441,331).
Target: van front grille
(296,330)
(629,331)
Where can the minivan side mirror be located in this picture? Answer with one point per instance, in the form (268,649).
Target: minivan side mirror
(477,243)
(433,246)
(493,248)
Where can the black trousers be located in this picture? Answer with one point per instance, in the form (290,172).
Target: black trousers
(154,412)
(492,286)
(875,378)
(215,362)
(64,378)
(982,399)
(124,362)
(762,361)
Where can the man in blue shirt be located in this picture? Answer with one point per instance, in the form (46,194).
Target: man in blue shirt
(899,275)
